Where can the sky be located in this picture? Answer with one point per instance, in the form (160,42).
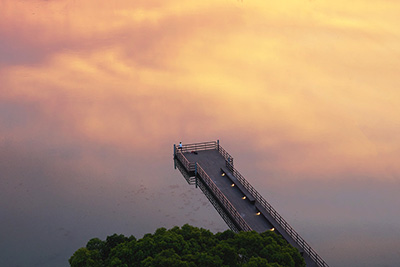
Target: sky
(93,95)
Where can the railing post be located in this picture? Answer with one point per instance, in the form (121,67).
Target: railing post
(218,145)
(174,156)
(195,172)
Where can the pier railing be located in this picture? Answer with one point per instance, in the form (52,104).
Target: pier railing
(193,166)
(206,146)
(223,200)
(198,146)
(189,166)
(226,155)
(282,222)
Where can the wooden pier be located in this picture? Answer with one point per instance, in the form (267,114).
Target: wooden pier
(208,166)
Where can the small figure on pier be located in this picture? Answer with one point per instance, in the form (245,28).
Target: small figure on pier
(180,145)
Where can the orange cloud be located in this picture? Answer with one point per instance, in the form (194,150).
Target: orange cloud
(312,83)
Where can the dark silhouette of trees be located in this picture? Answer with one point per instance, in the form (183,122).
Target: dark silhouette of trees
(189,246)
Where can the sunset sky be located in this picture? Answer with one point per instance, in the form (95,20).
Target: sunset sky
(304,95)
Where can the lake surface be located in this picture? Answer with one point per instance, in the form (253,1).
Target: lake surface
(303,94)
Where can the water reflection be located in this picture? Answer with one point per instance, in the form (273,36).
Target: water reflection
(303,95)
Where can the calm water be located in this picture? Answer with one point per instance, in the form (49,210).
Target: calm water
(304,96)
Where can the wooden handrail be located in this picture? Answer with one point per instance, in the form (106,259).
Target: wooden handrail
(282,222)
(223,200)
(198,146)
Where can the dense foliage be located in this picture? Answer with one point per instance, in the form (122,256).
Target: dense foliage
(189,246)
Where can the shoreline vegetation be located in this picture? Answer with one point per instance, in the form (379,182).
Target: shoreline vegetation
(189,246)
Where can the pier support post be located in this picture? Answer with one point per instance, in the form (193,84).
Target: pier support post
(195,172)
(174,156)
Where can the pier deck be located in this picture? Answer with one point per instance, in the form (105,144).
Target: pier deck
(211,168)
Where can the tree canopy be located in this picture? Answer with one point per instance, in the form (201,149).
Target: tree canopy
(189,246)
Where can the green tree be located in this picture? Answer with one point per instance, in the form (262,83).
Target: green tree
(166,258)
(189,246)
(257,262)
(85,258)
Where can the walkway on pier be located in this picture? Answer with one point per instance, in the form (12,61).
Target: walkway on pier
(211,165)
